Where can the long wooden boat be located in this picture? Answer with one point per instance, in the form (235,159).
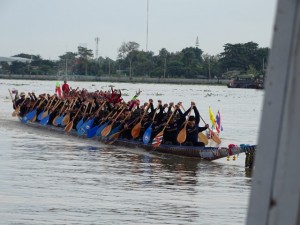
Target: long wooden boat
(206,153)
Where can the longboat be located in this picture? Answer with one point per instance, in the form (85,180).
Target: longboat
(205,153)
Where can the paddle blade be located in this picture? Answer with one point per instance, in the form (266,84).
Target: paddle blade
(158,139)
(135,132)
(40,115)
(44,115)
(31,114)
(106,131)
(92,132)
(14,113)
(181,137)
(69,127)
(147,135)
(202,137)
(59,120)
(65,120)
(33,119)
(79,124)
(215,137)
(100,129)
(112,138)
(54,122)
(45,120)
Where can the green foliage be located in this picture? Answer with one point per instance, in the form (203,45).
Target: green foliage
(190,62)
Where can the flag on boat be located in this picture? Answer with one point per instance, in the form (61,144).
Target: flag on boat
(219,126)
(212,118)
(157,140)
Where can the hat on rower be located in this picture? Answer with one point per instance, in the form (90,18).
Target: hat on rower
(22,94)
(192,118)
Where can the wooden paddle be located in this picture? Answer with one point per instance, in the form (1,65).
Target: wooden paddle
(46,108)
(69,127)
(202,137)
(108,128)
(66,118)
(105,122)
(158,138)
(17,108)
(214,136)
(14,113)
(135,132)
(112,138)
(181,137)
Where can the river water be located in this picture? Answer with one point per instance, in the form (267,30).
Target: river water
(49,178)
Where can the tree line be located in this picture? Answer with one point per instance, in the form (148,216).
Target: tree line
(190,62)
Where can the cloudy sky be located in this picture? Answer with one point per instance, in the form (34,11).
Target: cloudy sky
(52,27)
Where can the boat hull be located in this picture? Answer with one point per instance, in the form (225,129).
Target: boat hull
(206,153)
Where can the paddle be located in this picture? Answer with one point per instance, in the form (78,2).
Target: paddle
(118,128)
(135,132)
(17,110)
(69,127)
(108,128)
(55,121)
(14,113)
(66,118)
(105,123)
(115,135)
(41,114)
(181,137)
(158,138)
(213,135)
(32,114)
(89,123)
(147,134)
(78,125)
(203,138)
(45,120)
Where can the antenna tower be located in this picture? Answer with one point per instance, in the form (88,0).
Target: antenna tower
(97,39)
(147,25)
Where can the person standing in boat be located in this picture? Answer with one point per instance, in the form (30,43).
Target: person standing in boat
(65,88)
(193,128)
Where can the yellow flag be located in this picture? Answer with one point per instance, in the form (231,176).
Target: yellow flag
(212,117)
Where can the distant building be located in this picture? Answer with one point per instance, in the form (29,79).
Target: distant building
(14,59)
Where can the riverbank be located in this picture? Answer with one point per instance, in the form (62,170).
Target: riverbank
(122,79)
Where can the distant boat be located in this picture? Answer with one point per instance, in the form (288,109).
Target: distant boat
(246,81)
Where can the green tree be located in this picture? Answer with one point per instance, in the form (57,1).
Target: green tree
(67,62)
(84,56)
(128,51)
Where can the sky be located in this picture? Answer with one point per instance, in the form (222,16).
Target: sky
(50,28)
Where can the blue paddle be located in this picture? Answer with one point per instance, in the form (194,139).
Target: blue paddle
(85,126)
(147,135)
(45,120)
(92,132)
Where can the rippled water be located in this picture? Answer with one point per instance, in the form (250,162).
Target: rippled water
(49,178)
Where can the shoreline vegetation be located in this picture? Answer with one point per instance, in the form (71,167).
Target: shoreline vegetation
(117,79)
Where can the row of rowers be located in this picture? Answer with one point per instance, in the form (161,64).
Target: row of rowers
(168,118)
